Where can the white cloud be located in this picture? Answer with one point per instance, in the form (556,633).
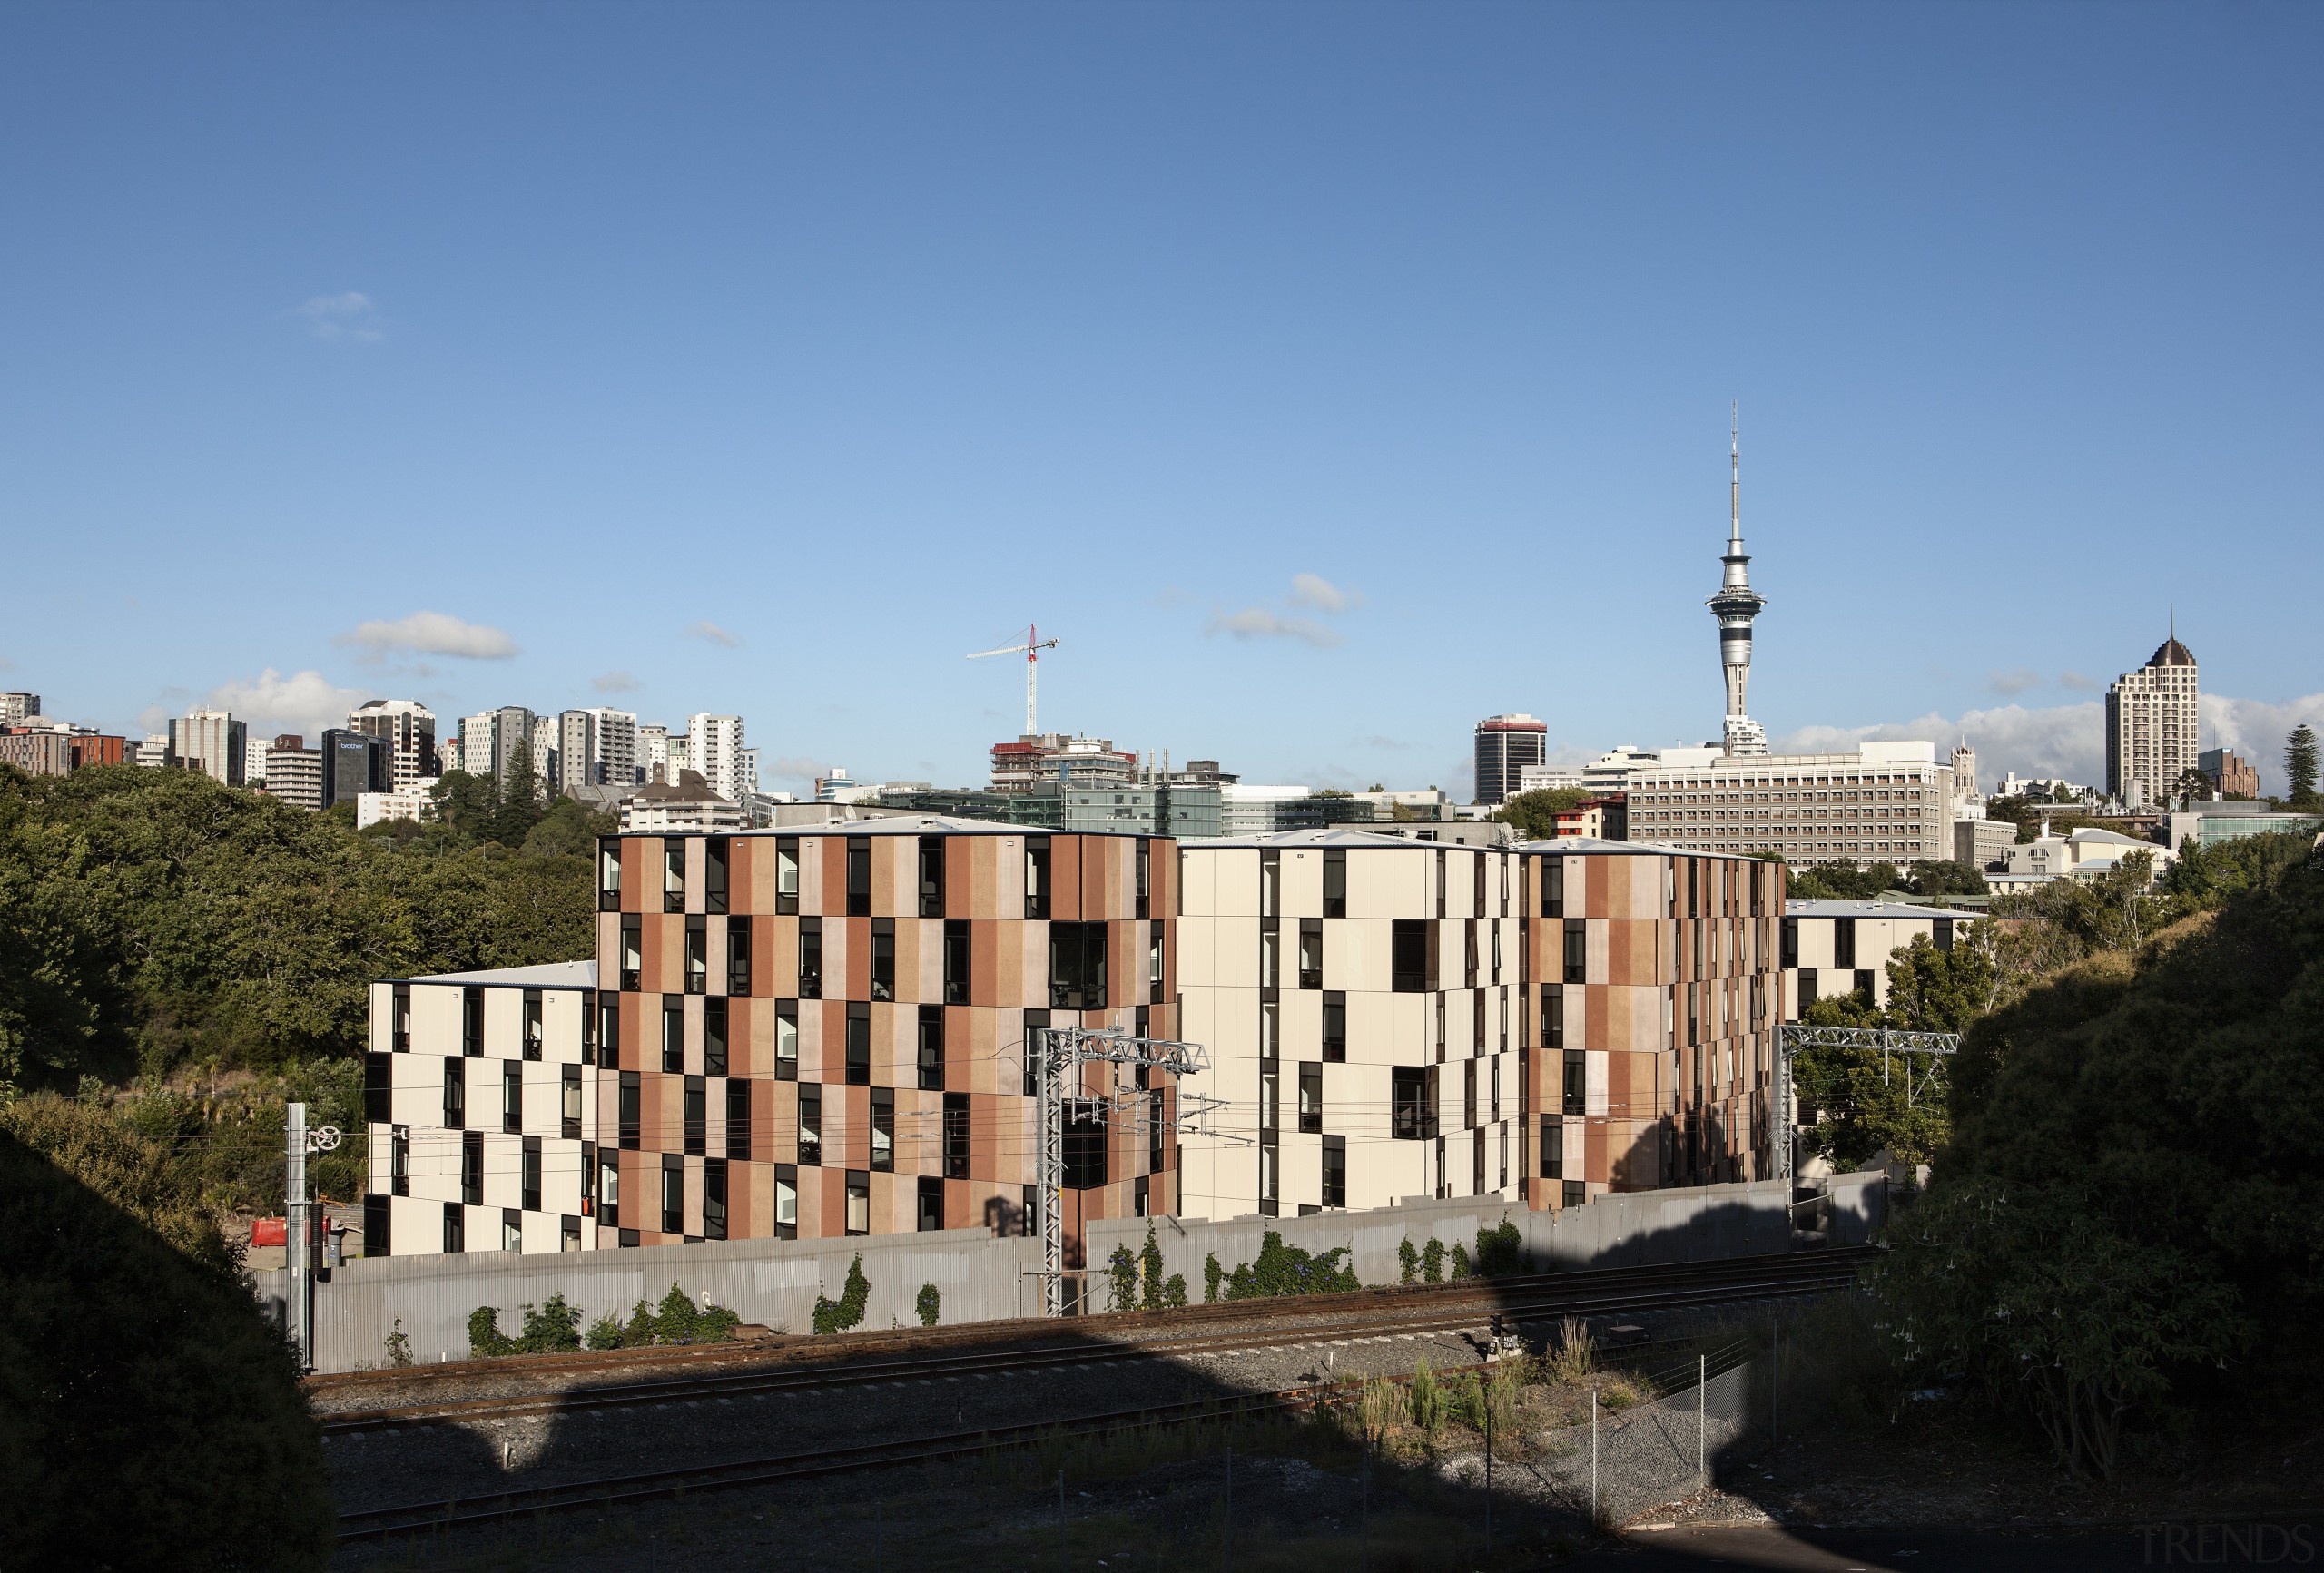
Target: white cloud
(304,703)
(2070,740)
(791,767)
(615,682)
(348,318)
(2010,685)
(1258,623)
(716,634)
(431,633)
(1315,590)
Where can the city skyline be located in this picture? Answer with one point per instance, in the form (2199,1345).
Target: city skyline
(1394,382)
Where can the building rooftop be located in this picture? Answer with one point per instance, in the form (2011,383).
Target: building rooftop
(2171,653)
(1327,836)
(549,975)
(1597,847)
(911,824)
(1819,907)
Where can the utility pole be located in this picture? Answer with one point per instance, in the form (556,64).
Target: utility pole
(299,1312)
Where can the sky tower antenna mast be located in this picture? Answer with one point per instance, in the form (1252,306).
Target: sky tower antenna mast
(1031,651)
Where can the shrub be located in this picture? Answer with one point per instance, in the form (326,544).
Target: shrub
(847,1311)
(486,1341)
(1407,1263)
(399,1346)
(639,1330)
(1121,1268)
(1211,1274)
(605,1333)
(1459,1262)
(1283,1270)
(552,1328)
(1500,1252)
(1432,1261)
(1174,1292)
(1465,1400)
(1149,1262)
(929,1304)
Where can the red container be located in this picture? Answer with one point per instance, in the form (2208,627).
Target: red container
(269,1231)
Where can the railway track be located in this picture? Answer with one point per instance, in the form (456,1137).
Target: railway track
(1319,1319)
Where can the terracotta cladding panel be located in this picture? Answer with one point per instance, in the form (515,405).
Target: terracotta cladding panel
(665,951)
(741,854)
(1005,943)
(982,855)
(633,874)
(857,1101)
(774,955)
(834,1207)
(857,949)
(834,868)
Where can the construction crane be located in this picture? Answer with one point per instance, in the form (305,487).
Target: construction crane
(1031,651)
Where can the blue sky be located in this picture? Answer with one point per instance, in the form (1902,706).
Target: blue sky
(772,359)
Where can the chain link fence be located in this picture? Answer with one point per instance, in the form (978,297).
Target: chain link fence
(1622,1462)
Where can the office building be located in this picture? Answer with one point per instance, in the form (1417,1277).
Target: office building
(36,750)
(1832,948)
(295,771)
(154,751)
(481,1092)
(1505,746)
(209,741)
(2150,719)
(714,751)
(824,1034)
(354,762)
(17,707)
(1542,778)
(1983,844)
(1881,803)
(1051,756)
(409,729)
(2231,776)
(1610,773)
(89,747)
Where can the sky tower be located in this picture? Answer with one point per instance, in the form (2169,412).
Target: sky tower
(1735,606)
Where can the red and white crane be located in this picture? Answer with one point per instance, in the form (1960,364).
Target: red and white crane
(1031,651)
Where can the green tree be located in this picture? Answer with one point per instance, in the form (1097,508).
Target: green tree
(1931,878)
(1843,882)
(847,1311)
(2300,767)
(1534,814)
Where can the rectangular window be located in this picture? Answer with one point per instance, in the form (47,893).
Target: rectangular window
(1864,985)
(378,1103)
(568,1232)
(1336,882)
(929,1215)
(811,957)
(955,1135)
(674,874)
(569,1103)
(786,1040)
(859,1201)
(1552,1147)
(1270,884)
(858,1044)
(697,955)
(1408,955)
(884,1129)
(1843,943)
(1335,1026)
(1270,959)
(786,1201)
(713,874)
(589,1028)
(608,875)
(713,1036)
(786,875)
(1468,954)
(810,1125)
(1806,988)
(1270,1098)
(1036,878)
(1270,1029)
(697,1116)
(1144,881)
(738,1120)
(633,954)
(455,1229)
(628,1113)
(608,1029)
(1941,933)
(472,1022)
(399,1160)
(1077,966)
(1477,867)
(1311,952)
(956,961)
(930,1057)
(472,1168)
(1036,1029)
(1577,950)
(1269,1192)
(456,1094)
(1334,1171)
(1496,1092)
(673,1195)
(1411,1116)
(1496,953)
(1156,1127)
(1477,1011)
(377,1211)
(858,876)
(1577,1082)
(1552,1017)
(1553,887)
(1576,1193)
(529,1183)
(714,1199)
(1468,1094)
(1790,943)
(1154,990)
(609,1189)
(738,955)
(512,1229)
(1439,881)
(400,1019)
(1311,1099)
(883,958)
(931,876)
(673,1035)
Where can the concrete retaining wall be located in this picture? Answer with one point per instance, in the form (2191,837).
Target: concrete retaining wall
(983,1279)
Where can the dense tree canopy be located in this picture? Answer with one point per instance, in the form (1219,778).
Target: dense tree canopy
(1534,813)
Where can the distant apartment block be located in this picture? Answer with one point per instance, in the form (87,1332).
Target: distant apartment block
(2150,719)
(1883,802)
(409,728)
(412,802)
(17,707)
(597,747)
(2231,776)
(91,748)
(294,772)
(687,805)
(1833,949)
(1539,778)
(209,741)
(480,1090)
(1505,746)
(715,750)
(36,750)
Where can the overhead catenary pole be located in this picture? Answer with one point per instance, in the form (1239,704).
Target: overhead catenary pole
(294,1233)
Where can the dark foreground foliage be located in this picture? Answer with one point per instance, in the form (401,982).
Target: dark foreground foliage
(149,1414)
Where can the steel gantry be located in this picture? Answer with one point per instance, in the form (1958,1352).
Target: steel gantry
(1792,1037)
(1060,1053)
